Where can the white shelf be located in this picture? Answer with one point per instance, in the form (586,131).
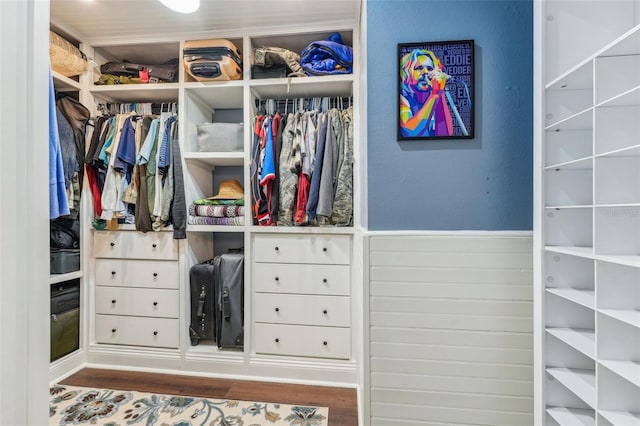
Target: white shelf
(58,278)
(581,383)
(584,298)
(560,207)
(629,370)
(633,261)
(64,84)
(216,228)
(330,85)
(586,252)
(216,159)
(348,230)
(578,121)
(629,98)
(621,418)
(583,341)
(632,151)
(572,416)
(627,316)
(579,77)
(580,163)
(159,92)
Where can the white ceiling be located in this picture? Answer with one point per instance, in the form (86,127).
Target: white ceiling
(96,20)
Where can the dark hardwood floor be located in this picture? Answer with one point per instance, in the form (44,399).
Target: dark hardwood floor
(342,402)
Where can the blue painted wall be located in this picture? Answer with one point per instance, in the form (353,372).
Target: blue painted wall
(481,184)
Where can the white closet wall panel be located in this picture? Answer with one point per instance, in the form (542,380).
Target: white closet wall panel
(450,330)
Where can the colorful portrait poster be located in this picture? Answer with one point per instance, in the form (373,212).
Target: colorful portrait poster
(436,90)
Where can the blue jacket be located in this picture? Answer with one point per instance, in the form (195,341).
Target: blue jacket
(326,57)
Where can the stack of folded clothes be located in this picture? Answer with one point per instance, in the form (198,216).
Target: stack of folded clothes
(225,208)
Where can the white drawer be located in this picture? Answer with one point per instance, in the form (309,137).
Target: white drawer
(137,331)
(301,278)
(137,273)
(135,245)
(144,302)
(298,340)
(331,311)
(334,249)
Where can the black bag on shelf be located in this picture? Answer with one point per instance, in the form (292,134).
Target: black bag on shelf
(201,283)
(65,318)
(229,278)
(64,233)
(167,72)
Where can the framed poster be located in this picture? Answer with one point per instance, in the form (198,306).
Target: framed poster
(435,90)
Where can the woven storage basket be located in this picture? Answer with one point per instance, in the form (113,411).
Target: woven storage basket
(66,59)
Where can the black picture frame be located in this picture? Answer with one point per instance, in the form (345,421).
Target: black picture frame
(436,90)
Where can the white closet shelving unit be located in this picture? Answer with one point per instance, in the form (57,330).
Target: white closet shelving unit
(332,361)
(73,360)
(588,224)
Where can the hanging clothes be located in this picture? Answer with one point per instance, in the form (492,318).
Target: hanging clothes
(302,168)
(58,202)
(137,154)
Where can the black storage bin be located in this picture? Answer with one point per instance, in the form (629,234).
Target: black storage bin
(63,261)
(65,318)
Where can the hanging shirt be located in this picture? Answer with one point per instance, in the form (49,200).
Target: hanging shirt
(58,203)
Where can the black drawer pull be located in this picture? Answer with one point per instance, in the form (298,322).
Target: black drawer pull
(113,244)
(155,274)
(277,279)
(324,312)
(155,303)
(277,248)
(113,272)
(277,340)
(277,309)
(324,280)
(324,249)
(325,343)
(113,301)
(154,245)
(113,330)
(155,333)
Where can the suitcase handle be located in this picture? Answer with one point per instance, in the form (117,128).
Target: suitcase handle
(203,70)
(203,294)
(226,305)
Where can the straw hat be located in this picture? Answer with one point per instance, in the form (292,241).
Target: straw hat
(229,190)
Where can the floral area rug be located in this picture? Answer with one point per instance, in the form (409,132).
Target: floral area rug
(72,405)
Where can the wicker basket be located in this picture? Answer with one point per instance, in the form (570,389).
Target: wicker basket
(66,59)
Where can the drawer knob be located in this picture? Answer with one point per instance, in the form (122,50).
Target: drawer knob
(155,303)
(155,274)
(277,340)
(112,244)
(324,249)
(324,280)
(277,278)
(113,301)
(154,245)
(113,272)
(277,248)
(155,333)
(325,343)
(324,311)
(113,330)
(277,309)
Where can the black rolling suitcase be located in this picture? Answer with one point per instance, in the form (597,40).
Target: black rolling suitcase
(65,318)
(201,281)
(229,278)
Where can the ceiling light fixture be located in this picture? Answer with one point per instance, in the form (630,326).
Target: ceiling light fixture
(182,6)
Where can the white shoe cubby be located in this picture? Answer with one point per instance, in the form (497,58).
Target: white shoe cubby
(589,218)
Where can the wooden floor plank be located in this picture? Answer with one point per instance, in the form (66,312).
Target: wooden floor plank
(342,402)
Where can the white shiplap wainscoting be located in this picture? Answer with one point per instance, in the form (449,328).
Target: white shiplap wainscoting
(450,329)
